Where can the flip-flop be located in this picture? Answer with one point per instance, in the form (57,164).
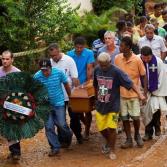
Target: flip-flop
(112,156)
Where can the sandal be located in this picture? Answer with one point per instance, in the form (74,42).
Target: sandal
(112,156)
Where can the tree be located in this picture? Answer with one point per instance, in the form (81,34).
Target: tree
(26,22)
(100,5)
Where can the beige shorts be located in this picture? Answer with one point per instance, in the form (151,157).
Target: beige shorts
(130,108)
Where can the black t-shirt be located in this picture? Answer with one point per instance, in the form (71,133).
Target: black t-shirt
(108,85)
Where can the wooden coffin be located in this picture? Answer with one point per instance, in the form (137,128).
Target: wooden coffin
(82,98)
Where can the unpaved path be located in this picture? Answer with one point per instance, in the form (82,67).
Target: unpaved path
(34,153)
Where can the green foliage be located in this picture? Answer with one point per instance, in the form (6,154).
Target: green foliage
(13,25)
(102,5)
(90,23)
(26,22)
(28,62)
(114,13)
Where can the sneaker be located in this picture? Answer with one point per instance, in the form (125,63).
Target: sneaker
(105,149)
(147,137)
(128,144)
(139,140)
(112,156)
(53,153)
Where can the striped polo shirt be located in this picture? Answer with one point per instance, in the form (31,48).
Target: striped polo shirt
(53,84)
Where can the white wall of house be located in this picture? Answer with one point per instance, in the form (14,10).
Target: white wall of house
(86,5)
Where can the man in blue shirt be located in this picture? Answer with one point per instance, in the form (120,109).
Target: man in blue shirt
(84,60)
(53,79)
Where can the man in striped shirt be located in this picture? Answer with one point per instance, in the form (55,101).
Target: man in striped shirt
(53,79)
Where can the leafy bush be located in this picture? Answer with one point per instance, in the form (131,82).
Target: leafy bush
(103,5)
(90,23)
(25,23)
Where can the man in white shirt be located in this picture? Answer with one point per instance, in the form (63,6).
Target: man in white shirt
(156,43)
(68,66)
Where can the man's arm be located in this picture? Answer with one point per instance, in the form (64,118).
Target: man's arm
(163,55)
(163,49)
(73,72)
(127,83)
(137,90)
(89,71)
(67,88)
(90,65)
(145,84)
(75,82)
(63,79)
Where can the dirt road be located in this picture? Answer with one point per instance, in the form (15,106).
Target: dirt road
(35,150)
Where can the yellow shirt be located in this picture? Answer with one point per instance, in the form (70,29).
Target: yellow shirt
(159,19)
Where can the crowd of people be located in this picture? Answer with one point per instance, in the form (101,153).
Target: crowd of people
(128,70)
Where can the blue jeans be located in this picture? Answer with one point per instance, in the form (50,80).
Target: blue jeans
(75,125)
(57,117)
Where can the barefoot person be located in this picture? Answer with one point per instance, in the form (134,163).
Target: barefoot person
(107,81)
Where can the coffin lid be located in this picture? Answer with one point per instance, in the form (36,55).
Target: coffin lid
(86,90)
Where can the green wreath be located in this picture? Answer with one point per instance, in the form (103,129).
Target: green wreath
(24,106)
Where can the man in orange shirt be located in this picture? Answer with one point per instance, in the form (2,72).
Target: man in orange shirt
(130,104)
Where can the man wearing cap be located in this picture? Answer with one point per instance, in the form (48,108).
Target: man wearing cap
(53,79)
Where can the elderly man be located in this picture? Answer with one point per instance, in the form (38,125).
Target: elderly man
(156,43)
(109,46)
(6,68)
(107,82)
